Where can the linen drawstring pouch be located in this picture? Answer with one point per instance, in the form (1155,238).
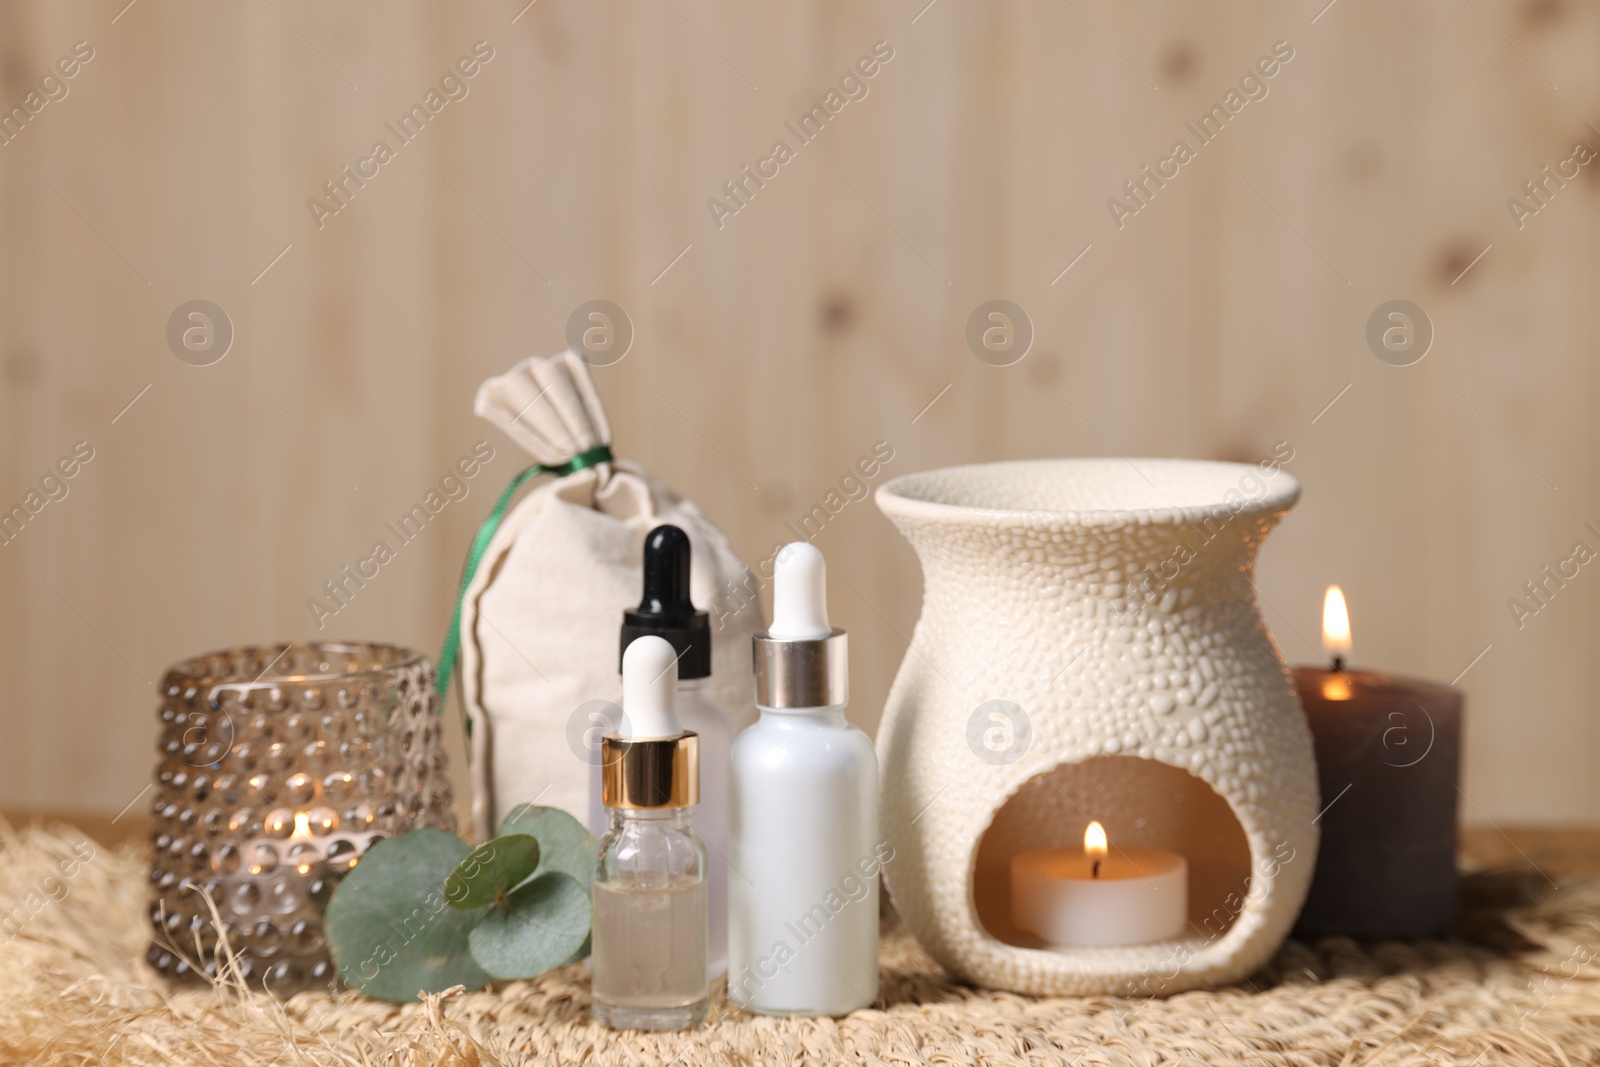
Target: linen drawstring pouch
(535,641)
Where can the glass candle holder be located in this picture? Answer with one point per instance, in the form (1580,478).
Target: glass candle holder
(280,765)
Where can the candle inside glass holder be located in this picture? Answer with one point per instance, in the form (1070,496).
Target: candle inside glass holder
(281,765)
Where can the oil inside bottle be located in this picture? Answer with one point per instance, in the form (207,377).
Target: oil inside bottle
(649,964)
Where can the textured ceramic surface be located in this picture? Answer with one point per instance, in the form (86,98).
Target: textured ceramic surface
(1090,647)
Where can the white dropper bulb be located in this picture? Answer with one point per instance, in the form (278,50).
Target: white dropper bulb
(649,690)
(800,594)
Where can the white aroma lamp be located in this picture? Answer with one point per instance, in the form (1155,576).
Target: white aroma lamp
(1109,604)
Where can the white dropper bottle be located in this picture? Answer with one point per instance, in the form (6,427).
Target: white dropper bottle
(804,853)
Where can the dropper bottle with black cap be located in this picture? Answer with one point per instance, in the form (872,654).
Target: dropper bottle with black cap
(666,610)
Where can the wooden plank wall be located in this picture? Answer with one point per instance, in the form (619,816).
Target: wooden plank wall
(826,315)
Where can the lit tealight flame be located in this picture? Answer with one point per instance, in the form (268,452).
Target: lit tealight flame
(1335,643)
(1095,847)
(302,831)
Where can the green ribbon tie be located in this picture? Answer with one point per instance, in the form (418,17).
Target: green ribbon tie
(480,544)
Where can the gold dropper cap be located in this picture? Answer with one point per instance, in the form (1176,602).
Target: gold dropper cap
(650,761)
(651,774)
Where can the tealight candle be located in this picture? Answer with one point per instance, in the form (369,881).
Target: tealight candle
(1100,896)
(1388,758)
(280,766)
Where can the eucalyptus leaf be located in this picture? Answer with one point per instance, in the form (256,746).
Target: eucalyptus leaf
(491,870)
(564,845)
(545,925)
(391,932)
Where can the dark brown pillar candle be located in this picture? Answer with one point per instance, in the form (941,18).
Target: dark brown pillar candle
(1388,759)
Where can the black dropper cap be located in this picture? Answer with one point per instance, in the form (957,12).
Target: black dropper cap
(666,611)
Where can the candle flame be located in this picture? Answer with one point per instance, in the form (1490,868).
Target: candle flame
(1335,624)
(1335,643)
(302,831)
(1094,841)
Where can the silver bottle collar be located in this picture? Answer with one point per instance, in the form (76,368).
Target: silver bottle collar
(802,673)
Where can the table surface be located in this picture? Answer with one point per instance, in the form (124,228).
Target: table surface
(1554,850)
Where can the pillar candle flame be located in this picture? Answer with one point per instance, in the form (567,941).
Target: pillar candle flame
(1335,624)
(1335,642)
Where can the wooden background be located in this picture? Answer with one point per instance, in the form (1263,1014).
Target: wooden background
(827,315)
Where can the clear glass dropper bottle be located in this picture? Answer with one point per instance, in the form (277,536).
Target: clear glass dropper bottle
(667,611)
(649,967)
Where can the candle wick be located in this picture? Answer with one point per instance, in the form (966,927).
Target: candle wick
(1094,869)
(1338,665)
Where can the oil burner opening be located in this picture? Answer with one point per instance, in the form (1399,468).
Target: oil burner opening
(1141,804)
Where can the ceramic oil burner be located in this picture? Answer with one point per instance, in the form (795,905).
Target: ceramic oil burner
(1090,650)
